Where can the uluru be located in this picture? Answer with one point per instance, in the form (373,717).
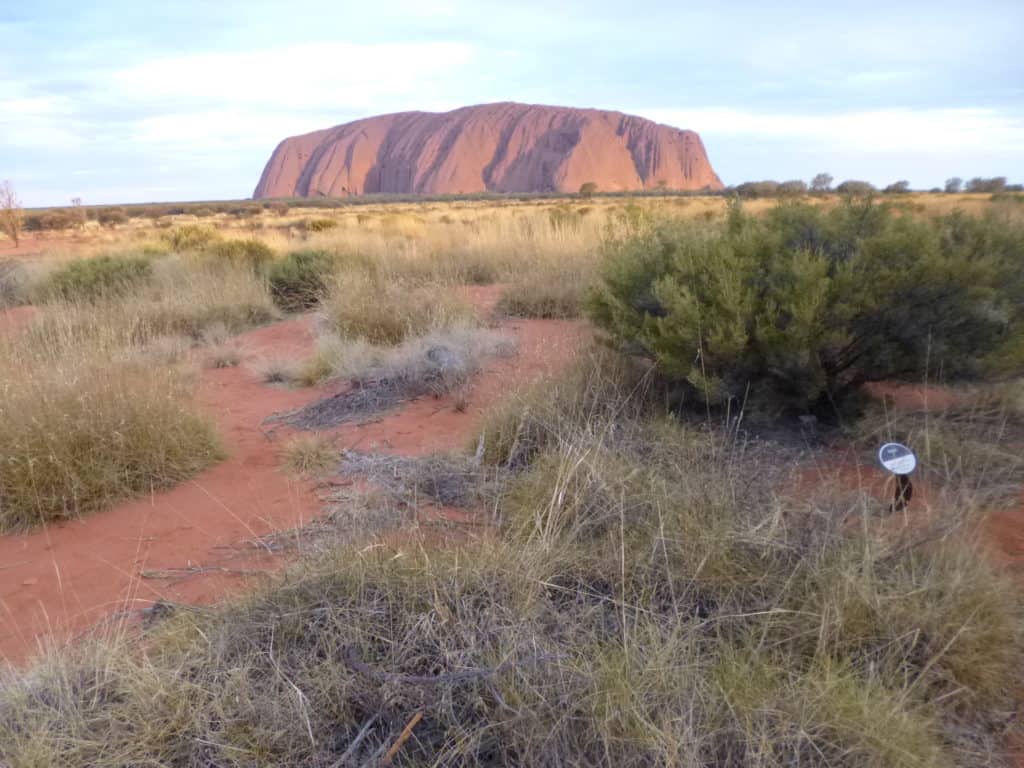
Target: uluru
(505,147)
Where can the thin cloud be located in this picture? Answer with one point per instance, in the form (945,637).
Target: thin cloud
(347,75)
(886,130)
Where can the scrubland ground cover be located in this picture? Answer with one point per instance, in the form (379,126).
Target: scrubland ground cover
(652,584)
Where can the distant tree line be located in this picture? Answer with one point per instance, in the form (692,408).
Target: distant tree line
(822,184)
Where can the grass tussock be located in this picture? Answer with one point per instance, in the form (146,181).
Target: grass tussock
(278,370)
(549,294)
(360,306)
(309,455)
(183,297)
(84,426)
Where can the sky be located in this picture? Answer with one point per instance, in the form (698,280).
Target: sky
(117,101)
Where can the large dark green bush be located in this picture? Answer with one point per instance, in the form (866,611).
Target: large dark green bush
(91,279)
(801,307)
(299,280)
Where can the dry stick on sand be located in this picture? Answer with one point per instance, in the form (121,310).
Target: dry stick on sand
(180,574)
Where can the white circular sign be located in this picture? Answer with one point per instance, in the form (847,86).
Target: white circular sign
(897,458)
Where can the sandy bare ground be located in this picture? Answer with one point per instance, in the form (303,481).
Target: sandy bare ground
(57,582)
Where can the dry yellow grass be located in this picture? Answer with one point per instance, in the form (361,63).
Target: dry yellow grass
(647,598)
(91,417)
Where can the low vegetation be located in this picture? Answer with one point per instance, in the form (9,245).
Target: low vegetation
(309,455)
(95,278)
(382,377)
(253,254)
(637,585)
(799,308)
(639,576)
(363,306)
(86,422)
(299,280)
(12,278)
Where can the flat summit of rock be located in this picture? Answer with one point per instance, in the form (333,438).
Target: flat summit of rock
(505,147)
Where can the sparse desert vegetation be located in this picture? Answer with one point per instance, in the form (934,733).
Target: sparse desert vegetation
(88,420)
(641,572)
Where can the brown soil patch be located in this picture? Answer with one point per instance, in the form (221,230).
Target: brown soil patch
(65,578)
(33,246)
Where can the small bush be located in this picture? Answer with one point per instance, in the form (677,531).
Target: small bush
(276,370)
(95,278)
(254,254)
(299,280)
(799,309)
(52,221)
(309,455)
(191,237)
(111,217)
(320,225)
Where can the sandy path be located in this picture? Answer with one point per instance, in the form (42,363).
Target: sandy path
(58,581)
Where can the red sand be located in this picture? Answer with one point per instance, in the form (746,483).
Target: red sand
(62,579)
(36,245)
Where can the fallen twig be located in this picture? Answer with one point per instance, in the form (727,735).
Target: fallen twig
(179,574)
(402,738)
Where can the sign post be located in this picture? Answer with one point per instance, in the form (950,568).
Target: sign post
(901,461)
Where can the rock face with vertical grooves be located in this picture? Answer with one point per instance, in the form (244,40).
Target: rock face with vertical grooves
(504,147)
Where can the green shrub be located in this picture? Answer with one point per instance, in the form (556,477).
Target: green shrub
(52,221)
(95,278)
(111,217)
(299,280)
(320,225)
(191,237)
(800,308)
(251,253)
